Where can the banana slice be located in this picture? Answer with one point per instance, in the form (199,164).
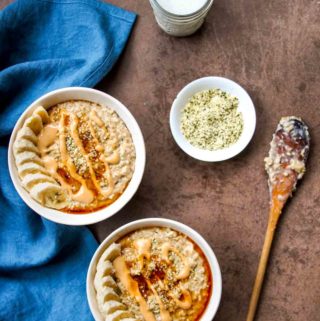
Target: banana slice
(105,281)
(105,268)
(128,319)
(50,195)
(28,134)
(34,122)
(24,145)
(32,179)
(27,157)
(118,316)
(30,168)
(112,306)
(107,294)
(42,113)
(111,253)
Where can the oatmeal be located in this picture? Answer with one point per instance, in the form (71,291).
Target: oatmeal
(153,274)
(77,156)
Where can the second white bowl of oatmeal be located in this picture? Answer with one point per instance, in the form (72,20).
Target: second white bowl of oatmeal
(96,96)
(246,107)
(216,291)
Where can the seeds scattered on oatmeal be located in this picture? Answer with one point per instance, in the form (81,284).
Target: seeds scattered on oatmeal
(211,120)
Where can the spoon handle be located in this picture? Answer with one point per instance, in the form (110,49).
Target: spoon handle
(275,212)
(289,147)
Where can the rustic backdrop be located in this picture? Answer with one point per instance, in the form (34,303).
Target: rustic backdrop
(272,48)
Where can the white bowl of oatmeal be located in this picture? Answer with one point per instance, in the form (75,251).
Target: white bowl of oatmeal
(212,119)
(154,270)
(76,156)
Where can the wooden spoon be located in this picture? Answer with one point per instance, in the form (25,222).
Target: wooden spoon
(285,165)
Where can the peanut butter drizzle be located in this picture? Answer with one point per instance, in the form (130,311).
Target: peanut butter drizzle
(107,173)
(143,247)
(164,314)
(112,159)
(185,271)
(47,137)
(123,274)
(51,165)
(96,118)
(84,195)
(78,142)
(184,303)
(99,148)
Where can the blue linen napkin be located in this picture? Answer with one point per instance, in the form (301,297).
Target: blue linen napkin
(45,45)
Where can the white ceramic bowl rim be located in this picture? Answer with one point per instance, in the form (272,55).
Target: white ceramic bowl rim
(102,98)
(216,291)
(246,107)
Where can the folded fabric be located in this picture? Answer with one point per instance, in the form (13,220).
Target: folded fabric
(47,45)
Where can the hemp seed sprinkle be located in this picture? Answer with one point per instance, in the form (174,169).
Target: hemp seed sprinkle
(211,120)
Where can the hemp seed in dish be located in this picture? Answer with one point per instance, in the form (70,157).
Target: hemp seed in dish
(211,120)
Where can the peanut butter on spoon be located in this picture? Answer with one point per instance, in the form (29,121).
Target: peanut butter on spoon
(285,165)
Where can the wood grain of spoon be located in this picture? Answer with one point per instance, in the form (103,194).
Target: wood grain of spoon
(285,165)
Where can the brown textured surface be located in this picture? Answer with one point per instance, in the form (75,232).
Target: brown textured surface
(272,48)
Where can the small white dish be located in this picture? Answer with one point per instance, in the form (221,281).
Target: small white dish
(81,93)
(246,107)
(215,297)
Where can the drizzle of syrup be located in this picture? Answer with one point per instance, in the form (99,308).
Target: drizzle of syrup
(68,179)
(143,285)
(157,274)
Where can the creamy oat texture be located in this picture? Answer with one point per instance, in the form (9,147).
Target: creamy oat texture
(153,274)
(77,156)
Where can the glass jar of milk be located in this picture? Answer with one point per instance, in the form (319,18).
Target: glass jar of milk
(180,17)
